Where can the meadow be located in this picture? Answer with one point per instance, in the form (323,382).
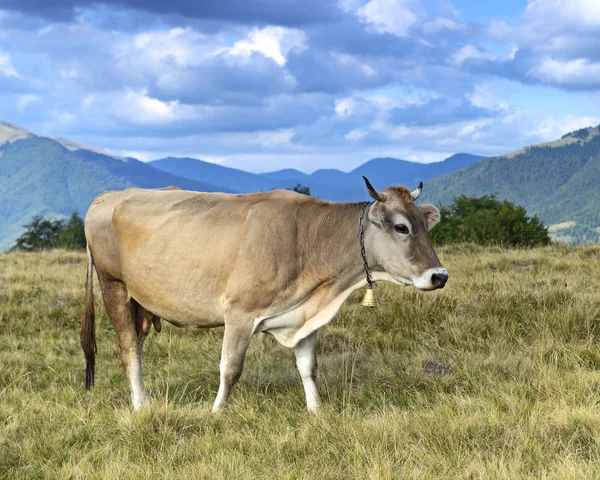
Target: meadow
(495,376)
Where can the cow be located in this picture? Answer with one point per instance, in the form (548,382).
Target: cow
(276,262)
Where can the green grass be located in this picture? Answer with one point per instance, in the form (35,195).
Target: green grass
(518,330)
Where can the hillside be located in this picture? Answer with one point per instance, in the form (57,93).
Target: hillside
(558,181)
(40,176)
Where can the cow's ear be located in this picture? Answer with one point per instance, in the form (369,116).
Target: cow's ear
(432,214)
(375,214)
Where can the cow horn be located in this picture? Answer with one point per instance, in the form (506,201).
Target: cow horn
(375,195)
(415,193)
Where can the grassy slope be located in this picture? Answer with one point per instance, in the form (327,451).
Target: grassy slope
(518,328)
(559,183)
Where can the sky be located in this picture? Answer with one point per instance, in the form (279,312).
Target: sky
(268,84)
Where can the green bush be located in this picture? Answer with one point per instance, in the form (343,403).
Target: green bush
(488,221)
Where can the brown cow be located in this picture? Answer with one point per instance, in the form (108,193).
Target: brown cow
(276,262)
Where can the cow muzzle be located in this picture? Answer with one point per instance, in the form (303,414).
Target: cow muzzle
(431,279)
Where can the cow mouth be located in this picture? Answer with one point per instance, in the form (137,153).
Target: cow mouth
(401,280)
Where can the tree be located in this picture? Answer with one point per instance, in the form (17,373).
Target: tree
(42,233)
(302,189)
(486,220)
(72,236)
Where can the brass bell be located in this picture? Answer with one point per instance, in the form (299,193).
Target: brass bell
(369,298)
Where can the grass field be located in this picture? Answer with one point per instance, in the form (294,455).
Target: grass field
(495,376)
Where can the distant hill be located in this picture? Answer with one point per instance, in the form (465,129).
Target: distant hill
(41,176)
(558,181)
(285,174)
(401,172)
(225,177)
(330,184)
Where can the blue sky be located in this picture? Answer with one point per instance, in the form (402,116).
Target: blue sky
(269,84)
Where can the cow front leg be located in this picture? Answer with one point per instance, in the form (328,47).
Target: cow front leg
(235,343)
(306,361)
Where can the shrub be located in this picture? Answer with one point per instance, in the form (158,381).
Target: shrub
(487,221)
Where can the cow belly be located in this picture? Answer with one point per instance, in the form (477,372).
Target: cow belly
(187,308)
(185,318)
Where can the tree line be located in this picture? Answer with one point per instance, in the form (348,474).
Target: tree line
(484,220)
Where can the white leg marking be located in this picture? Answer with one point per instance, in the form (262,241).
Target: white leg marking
(223,393)
(306,361)
(138,392)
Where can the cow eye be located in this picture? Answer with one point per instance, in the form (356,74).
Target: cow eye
(401,228)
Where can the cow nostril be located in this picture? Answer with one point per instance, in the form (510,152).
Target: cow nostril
(439,279)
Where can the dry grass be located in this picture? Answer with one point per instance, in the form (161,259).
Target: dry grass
(496,376)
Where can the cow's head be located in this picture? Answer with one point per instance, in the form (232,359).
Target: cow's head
(399,240)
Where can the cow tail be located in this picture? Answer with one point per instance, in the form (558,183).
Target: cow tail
(88,325)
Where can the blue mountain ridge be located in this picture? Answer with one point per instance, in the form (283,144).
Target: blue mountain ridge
(329,184)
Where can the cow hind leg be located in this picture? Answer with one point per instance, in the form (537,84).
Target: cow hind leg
(306,361)
(128,319)
(235,343)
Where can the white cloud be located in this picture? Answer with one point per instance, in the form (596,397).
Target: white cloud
(499,30)
(552,128)
(6,67)
(349,5)
(356,134)
(45,30)
(554,42)
(346,60)
(272,42)
(68,73)
(389,16)
(184,46)
(344,107)
(427,157)
(137,108)
(487,96)
(272,138)
(583,13)
(24,100)
(470,52)
(439,24)
(571,72)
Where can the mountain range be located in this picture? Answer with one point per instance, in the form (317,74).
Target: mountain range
(53,177)
(330,184)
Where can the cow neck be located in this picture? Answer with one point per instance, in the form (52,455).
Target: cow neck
(363,253)
(335,252)
(352,270)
